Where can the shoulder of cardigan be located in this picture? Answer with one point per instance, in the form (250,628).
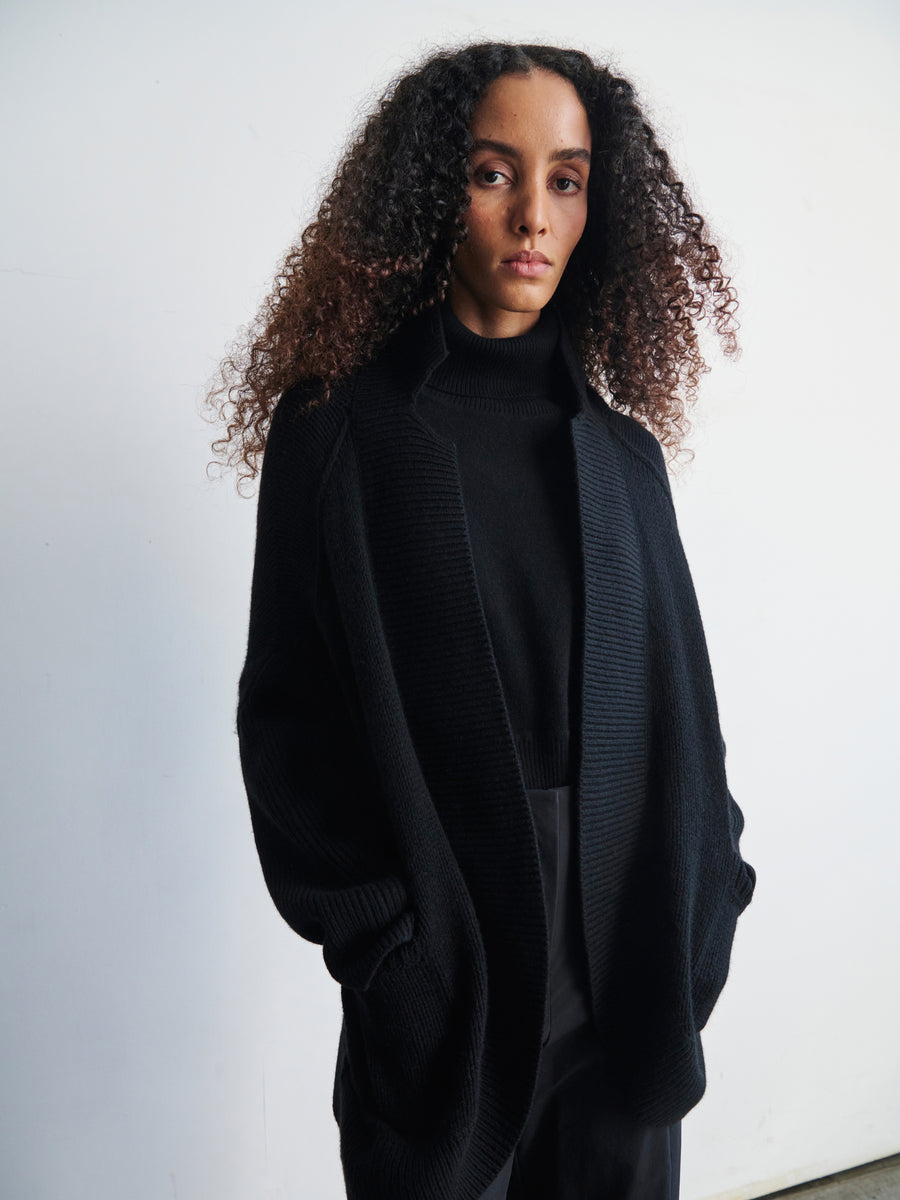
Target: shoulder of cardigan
(306,431)
(642,444)
(302,445)
(410,356)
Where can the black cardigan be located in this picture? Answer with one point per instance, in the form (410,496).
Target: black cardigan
(387,798)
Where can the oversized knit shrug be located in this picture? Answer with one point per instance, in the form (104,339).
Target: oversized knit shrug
(387,797)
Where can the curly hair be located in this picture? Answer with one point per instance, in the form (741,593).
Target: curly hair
(382,245)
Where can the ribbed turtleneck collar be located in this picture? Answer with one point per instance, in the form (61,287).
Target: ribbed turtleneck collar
(514,371)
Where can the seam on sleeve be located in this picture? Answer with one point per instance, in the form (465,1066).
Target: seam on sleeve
(320,492)
(613,417)
(659,472)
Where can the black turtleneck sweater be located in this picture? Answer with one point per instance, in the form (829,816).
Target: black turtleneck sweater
(505,404)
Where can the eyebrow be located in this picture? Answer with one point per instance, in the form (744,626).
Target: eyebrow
(504,148)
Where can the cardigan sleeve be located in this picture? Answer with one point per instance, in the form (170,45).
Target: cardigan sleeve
(319,830)
(735,815)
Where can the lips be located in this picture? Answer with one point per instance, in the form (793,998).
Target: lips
(527,264)
(528,256)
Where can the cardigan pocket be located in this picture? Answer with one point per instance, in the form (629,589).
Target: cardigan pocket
(713,960)
(400,1048)
(358,966)
(744,884)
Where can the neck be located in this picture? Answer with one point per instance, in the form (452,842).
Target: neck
(514,369)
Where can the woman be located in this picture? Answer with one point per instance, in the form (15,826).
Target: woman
(477,722)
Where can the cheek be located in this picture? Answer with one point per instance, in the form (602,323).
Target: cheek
(575,226)
(478,224)
(476,250)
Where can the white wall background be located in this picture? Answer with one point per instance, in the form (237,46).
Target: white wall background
(164,1034)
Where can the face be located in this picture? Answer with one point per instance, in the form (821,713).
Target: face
(528,173)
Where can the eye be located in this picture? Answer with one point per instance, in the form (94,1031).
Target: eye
(576,185)
(484,173)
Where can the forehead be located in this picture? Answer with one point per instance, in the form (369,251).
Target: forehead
(541,105)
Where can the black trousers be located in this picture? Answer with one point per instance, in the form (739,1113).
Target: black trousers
(577,1142)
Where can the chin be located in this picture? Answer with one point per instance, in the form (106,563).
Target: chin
(530,299)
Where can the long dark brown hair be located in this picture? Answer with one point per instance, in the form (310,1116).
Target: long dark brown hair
(381,248)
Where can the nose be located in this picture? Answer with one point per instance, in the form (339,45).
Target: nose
(530,213)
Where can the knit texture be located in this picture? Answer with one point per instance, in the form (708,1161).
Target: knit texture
(505,403)
(387,794)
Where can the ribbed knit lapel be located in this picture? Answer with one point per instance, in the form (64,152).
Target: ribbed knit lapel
(439,644)
(615,693)
(444,663)
(615,696)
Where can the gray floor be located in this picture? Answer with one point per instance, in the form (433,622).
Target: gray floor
(875,1181)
